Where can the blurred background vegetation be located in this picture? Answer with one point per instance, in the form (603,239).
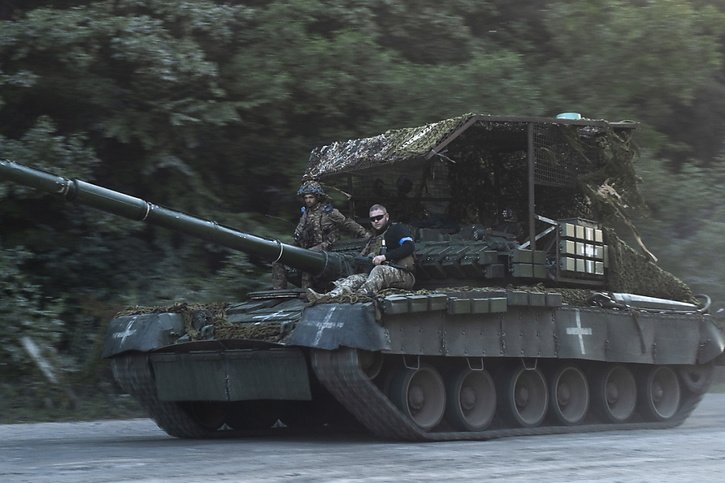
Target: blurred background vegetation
(211,108)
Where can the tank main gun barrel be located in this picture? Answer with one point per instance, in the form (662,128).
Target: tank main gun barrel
(329,265)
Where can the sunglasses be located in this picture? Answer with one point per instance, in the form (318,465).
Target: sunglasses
(377,218)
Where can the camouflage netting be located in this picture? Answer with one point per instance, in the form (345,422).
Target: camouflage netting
(632,272)
(467,169)
(391,147)
(198,316)
(267,332)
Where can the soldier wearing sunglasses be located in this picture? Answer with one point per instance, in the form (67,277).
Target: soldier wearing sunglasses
(391,249)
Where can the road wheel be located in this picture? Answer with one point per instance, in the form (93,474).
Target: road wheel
(659,393)
(471,400)
(524,396)
(614,393)
(420,394)
(569,392)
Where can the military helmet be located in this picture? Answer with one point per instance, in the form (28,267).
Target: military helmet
(311,188)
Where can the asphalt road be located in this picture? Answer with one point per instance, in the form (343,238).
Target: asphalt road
(136,450)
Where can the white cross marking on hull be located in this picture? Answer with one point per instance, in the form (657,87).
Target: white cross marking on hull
(326,324)
(127,331)
(580,331)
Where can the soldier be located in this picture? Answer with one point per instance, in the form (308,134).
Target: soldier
(391,250)
(318,229)
(509,225)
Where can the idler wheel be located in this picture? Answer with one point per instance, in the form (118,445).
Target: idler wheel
(569,392)
(471,400)
(524,396)
(696,379)
(660,393)
(614,393)
(420,394)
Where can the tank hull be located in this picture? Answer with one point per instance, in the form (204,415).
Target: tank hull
(441,365)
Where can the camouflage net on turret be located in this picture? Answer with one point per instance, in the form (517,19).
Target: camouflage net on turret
(632,272)
(475,165)
(611,194)
(392,146)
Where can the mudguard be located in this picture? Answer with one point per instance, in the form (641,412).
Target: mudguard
(142,332)
(712,343)
(331,326)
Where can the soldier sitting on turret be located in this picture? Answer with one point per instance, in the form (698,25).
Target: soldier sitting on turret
(318,229)
(508,225)
(391,251)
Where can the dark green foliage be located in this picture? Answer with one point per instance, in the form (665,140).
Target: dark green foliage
(25,312)
(686,223)
(212,107)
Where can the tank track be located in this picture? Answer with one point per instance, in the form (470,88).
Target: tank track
(133,373)
(340,372)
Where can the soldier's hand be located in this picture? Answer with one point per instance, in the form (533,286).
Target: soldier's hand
(379,259)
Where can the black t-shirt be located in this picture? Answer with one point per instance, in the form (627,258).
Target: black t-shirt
(399,242)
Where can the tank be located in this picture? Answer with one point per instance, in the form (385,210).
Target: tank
(543,322)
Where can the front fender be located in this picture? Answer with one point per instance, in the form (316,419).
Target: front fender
(331,326)
(712,343)
(142,332)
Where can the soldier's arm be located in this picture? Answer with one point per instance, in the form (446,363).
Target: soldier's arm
(355,229)
(349,225)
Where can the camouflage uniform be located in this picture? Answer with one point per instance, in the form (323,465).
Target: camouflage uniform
(381,276)
(318,229)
